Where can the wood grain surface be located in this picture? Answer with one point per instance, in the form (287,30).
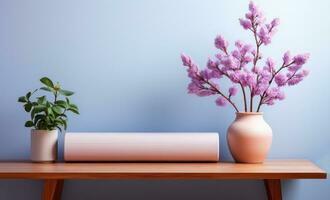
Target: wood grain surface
(272,169)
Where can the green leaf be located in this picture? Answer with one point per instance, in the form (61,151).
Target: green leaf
(67,100)
(28,107)
(28,95)
(42,100)
(39,108)
(74,110)
(65,124)
(57,109)
(50,111)
(37,118)
(59,128)
(63,115)
(74,106)
(46,89)
(41,124)
(48,104)
(66,92)
(28,124)
(47,82)
(61,103)
(33,113)
(22,99)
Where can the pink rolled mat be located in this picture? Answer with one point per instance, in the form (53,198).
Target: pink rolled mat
(141,146)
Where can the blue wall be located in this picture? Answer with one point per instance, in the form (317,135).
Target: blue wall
(122,59)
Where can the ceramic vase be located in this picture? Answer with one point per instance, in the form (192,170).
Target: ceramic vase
(44,145)
(249,137)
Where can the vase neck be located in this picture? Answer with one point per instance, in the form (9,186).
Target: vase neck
(240,115)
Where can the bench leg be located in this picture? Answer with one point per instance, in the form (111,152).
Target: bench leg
(52,189)
(273,188)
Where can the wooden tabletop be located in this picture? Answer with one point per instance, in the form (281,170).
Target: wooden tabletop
(273,169)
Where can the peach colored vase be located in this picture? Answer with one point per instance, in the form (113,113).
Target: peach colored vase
(249,137)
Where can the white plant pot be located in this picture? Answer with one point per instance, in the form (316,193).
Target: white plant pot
(44,145)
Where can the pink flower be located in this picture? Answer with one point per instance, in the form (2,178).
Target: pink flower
(294,81)
(246,24)
(214,85)
(280,79)
(249,16)
(239,44)
(264,35)
(256,70)
(265,75)
(232,91)
(247,79)
(235,76)
(253,8)
(219,56)
(275,22)
(270,65)
(216,74)
(259,88)
(212,64)
(192,70)
(193,88)
(247,59)
(186,60)
(273,94)
(246,49)
(260,18)
(295,78)
(220,101)
(220,43)
(204,93)
(236,54)
(286,58)
(255,15)
(205,74)
(301,59)
(305,72)
(294,68)
(229,63)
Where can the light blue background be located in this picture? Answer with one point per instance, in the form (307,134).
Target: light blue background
(122,59)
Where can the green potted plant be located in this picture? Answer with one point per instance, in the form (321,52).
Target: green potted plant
(47,117)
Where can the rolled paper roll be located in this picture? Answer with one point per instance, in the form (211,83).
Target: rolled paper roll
(141,146)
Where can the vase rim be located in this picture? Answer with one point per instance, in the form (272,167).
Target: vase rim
(39,130)
(249,113)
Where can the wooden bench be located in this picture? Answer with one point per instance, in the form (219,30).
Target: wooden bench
(54,174)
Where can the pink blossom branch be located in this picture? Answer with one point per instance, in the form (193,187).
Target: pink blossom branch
(219,92)
(290,77)
(255,60)
(270,82)
(242,87)
(243,90)
(232,66)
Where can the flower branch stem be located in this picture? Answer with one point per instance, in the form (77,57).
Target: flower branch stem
(244,96)
(251,101)
(219,92)
(256,58)
(243,91)
(270,82)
